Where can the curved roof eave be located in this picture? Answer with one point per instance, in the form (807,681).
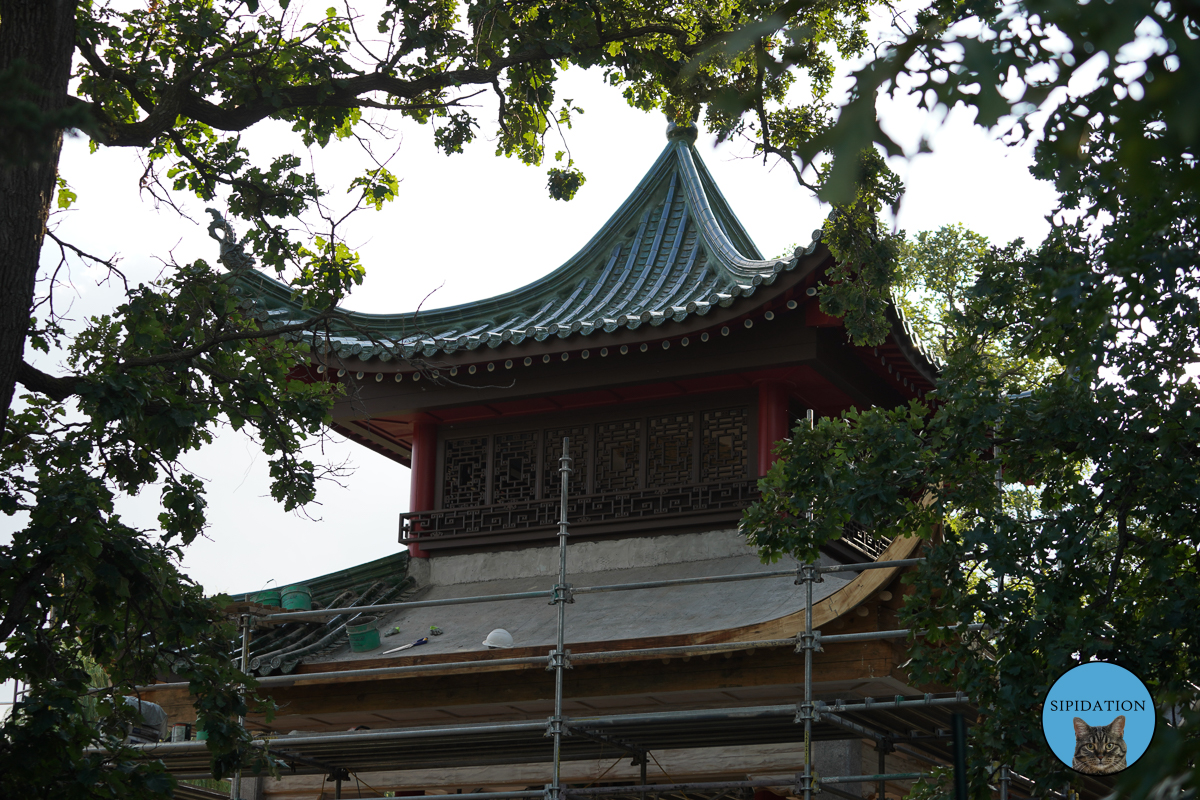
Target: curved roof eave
(914,349)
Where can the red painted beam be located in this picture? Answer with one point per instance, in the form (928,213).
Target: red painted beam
(424,475)
(772,421)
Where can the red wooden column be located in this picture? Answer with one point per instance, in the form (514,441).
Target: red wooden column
(424,475)
(772,421)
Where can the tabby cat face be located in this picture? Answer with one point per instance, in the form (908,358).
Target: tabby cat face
(1100,749)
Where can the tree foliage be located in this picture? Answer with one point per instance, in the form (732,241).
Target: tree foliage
(1054,473)
(152,381)
(935,288)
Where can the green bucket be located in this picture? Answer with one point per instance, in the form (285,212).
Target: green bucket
(297,598)
(364,636)
(271,597)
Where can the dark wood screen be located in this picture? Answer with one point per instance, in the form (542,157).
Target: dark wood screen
(664,469)
(653,451)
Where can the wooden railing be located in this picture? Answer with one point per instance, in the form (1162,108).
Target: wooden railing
(641,511)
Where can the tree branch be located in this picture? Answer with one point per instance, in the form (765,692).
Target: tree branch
(53,387)
(209,344)
(108,263)
(60,389)
(179,99)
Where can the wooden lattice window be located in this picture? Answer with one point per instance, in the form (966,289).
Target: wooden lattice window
(618,455)
(464,474)
(663,451)
(552,451)
(514,467)
(724,444)
(669,450)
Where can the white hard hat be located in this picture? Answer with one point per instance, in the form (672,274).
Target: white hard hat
(499,638)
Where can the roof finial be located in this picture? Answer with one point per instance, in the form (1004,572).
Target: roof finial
(688,131)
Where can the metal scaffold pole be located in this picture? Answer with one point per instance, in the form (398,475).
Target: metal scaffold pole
(562,596)
(235,790)
(808,574)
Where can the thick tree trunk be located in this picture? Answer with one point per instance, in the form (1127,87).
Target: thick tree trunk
(40,35)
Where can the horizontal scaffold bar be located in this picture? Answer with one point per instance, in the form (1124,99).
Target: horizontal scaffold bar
(504,795)
(866,565)
(899,701)
(279,745)
(899,633)
(322,613)
(651,788)
(888,776)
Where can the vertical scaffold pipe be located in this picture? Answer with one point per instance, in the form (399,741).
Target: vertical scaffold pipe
(235,788)
(881,789)
(1004,779)
(562,596)
(809,574)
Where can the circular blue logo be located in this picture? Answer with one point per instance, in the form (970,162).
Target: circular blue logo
(1098,718)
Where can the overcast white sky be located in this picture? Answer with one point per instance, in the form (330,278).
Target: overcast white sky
(468,227)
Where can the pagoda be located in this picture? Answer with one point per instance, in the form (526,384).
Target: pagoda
(672,357)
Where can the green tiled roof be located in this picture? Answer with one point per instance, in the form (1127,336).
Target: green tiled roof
(673,249)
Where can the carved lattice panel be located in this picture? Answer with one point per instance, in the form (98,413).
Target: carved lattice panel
(514,467)
(669,443)
(465,472)
(724,444)
(552,451)
(618,455)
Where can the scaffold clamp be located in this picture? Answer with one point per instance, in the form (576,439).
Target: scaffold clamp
(805,641)
(555,658)
(562,594)
(806,783)
(808,572)
(557,726)
(806,712)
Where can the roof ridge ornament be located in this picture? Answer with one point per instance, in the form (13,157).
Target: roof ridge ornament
(233,255)
(687,132)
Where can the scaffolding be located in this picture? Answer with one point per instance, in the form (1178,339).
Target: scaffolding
(338,754)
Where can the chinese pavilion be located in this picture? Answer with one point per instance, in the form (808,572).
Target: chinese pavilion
(673,356)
